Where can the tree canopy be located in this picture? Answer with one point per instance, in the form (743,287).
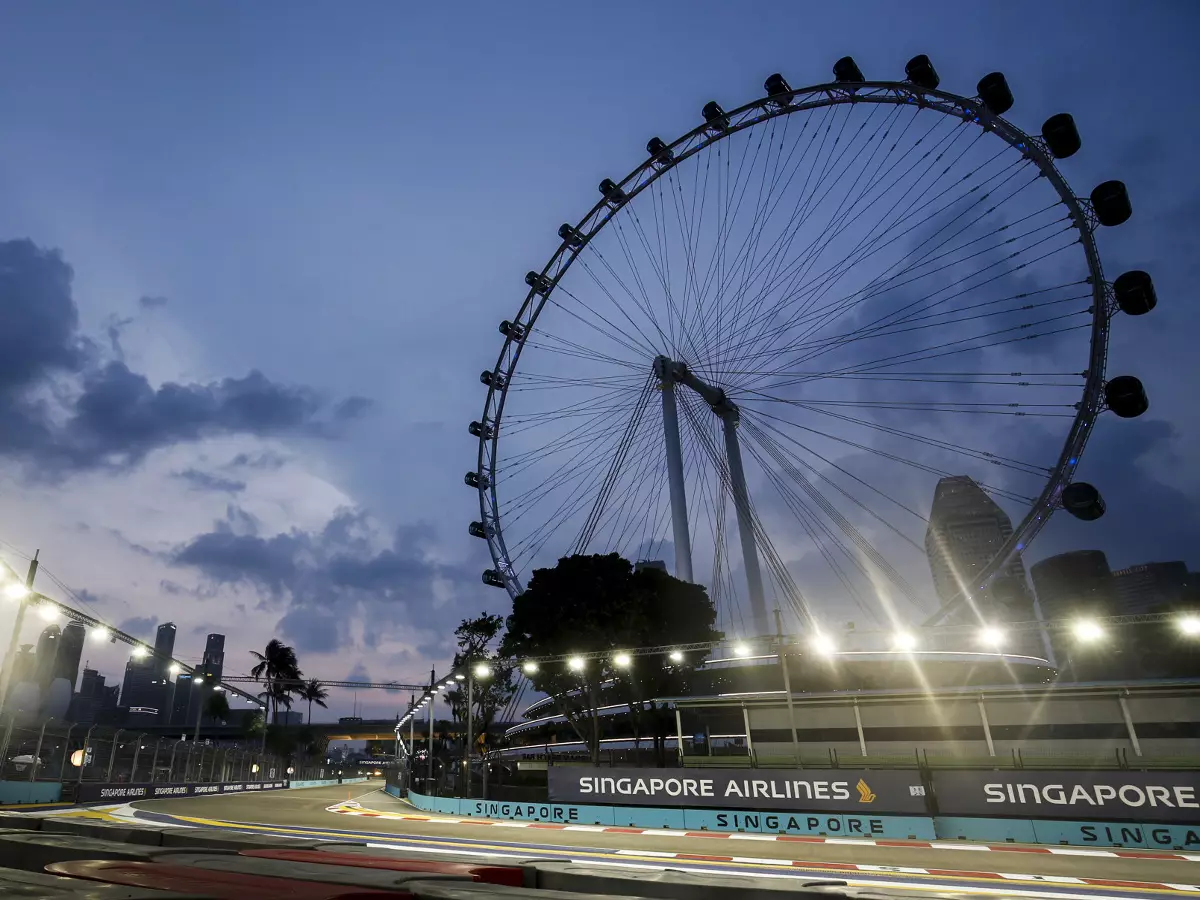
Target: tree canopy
(600,604)
(476,640)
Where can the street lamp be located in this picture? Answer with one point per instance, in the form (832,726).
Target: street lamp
(741,650)
(138,652)
(529,668)
(482,671)
(575,663)
(100,634)
(622,660)
(676,656)
(1087,630)
(991,637)
(904,640)
(1189,624)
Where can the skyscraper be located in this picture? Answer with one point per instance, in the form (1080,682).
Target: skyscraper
(1139,589)
(966,531)
(47,654)
(164,648)
(70,650)
(1074,584)
(214,656)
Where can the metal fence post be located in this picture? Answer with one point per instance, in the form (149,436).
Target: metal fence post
(154,761)
(137,752)
(62,769)
(112,757)
(87,739)
(37,753)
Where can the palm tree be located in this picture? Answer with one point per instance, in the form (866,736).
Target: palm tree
(314,692)
(279,670)
(216,707)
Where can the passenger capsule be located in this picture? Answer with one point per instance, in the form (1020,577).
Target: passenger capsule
(715,116)
(920,71)
(473,479)
(1061,135)
(1126,397)
(1082,501)
(995,94)
(540,283)
(512,330)
(1135,293)
(492,578)
(477,529)
(479,429)
(570,235)
(778,90)
(1110,202)
(847,70)
(658,149)
(492,379)
(611,191)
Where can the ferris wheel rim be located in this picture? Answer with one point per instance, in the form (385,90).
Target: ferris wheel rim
(751,115)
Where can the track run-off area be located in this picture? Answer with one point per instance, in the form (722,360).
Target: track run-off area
(364,813)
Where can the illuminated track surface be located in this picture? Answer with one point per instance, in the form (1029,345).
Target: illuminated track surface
(894,865)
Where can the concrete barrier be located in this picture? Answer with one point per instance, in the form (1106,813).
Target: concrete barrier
(35,850)
(129,834)
(326,782)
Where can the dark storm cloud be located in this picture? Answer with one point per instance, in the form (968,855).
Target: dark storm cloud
(68,408)
(205,481)
(323,579)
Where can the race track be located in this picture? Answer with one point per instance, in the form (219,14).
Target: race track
(363,812)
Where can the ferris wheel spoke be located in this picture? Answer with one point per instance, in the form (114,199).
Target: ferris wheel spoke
(806,258)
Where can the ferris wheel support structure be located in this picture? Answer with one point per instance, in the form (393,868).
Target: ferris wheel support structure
(670,373)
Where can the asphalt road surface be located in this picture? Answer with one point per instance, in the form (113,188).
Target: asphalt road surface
(952,866)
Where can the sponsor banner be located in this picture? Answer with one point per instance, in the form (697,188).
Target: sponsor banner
(835,790)
(1133,796)
(95,793)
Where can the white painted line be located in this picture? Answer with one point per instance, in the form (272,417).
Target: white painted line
(752,837)
(935,845)
(1072,851)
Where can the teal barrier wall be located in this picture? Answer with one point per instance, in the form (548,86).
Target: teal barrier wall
(30,792)
(326,782)
(919,828)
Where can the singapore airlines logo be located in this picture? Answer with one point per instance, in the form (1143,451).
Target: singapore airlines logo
(865,794)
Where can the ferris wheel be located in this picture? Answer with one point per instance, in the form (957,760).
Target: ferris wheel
(756,357)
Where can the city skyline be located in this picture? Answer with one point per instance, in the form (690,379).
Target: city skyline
(284,250)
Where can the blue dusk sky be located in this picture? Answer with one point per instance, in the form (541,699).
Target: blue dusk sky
(253,257)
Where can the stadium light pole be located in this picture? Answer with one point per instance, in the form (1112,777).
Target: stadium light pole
(11,657)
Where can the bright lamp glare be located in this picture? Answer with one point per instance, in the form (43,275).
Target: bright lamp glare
(100,634)
(174,669)
(529,668)
(904,640)
(460,677)
(138,652)
(1087,630)
(47,613)
(992,637)
(676,656)
(483,671)
(622,661)
(575,663)
(1190,625)
(16,591)
(823,645)
(741,650)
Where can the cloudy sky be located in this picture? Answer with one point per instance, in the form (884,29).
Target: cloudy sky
(252,262)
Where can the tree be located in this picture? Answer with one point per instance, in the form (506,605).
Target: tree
(599,604)
(490,695)
(279,670)
(314,692)
(216,707)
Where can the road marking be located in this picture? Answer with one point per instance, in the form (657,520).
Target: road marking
(358,810)
(869,876)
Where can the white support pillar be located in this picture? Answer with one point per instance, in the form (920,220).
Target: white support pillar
(1133,738)
(987,728)
(862,738)
(741,501)
(678,733)
(749,740)
(675,481)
